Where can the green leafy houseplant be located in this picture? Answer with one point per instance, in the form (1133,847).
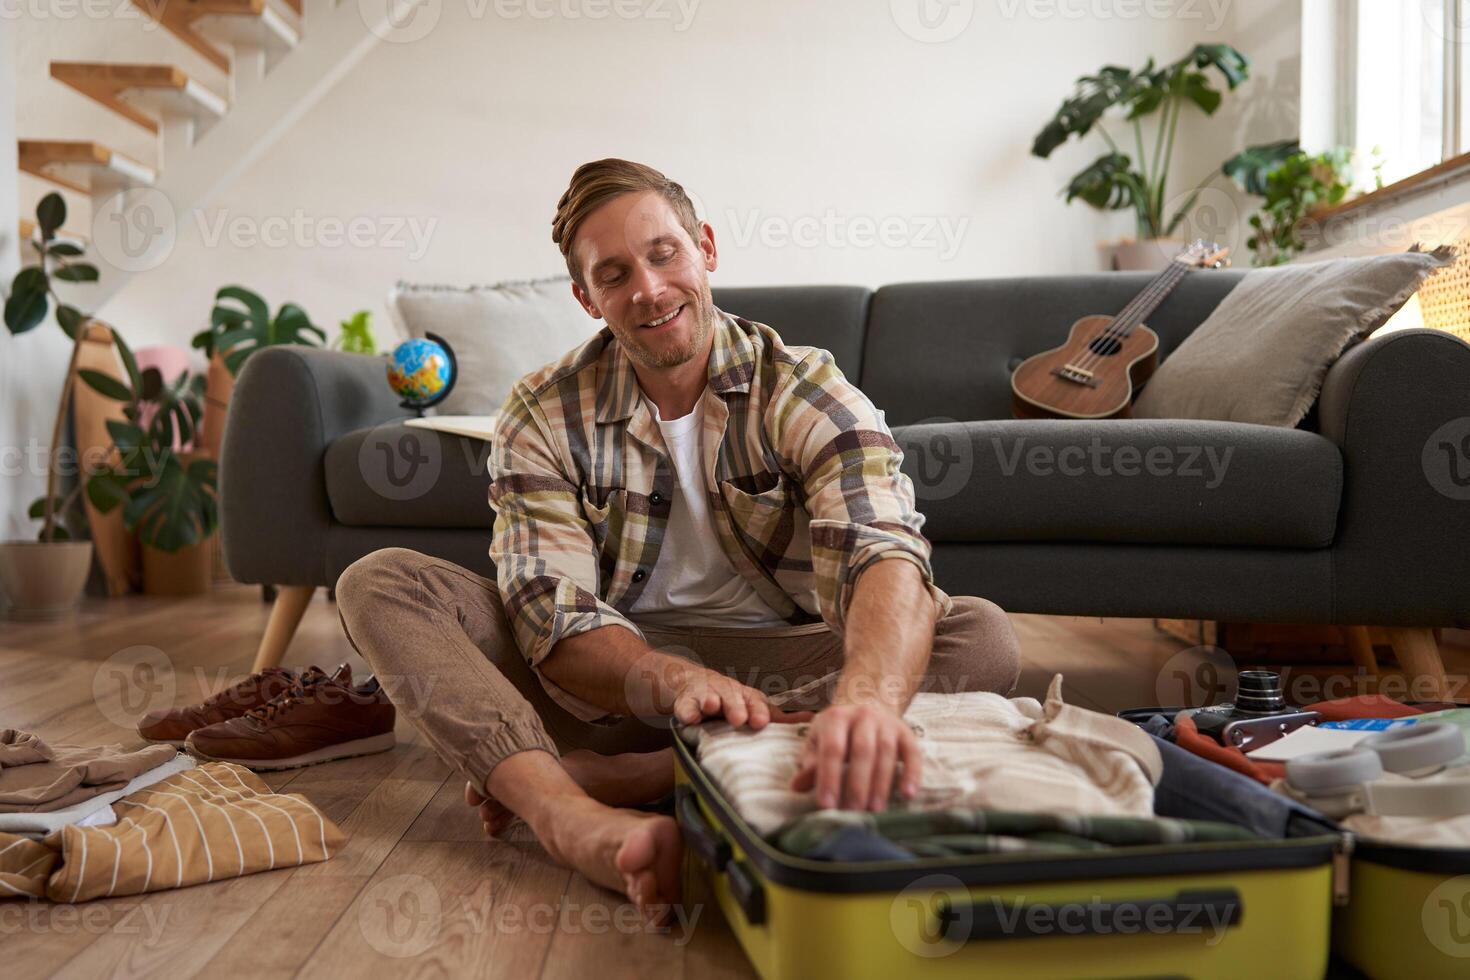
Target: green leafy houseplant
(1292,183)
(241,324)
(32,294)
(168,501)
(357,335)
(1117,181)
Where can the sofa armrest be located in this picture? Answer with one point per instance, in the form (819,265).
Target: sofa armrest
(1399,409)
(289,404)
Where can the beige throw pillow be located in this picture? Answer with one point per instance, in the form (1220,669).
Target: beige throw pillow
(1262,354)
(499,333)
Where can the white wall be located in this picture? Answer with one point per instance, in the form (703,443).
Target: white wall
(32,365)
(783,119)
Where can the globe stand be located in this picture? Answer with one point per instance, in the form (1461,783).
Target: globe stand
(417,407)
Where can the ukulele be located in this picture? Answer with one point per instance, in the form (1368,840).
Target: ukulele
(1107,358)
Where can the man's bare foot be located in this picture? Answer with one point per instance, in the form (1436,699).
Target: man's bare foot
(634,853)
(616,780)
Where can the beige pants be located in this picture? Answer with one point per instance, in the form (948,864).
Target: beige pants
(436,636)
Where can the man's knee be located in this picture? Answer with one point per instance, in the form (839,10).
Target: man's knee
(988,654)
(374,575)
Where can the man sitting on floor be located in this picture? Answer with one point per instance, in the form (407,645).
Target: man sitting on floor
(690,520)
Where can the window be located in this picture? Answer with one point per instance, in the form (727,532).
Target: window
(1399,73)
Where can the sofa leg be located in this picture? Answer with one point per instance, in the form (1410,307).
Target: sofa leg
(1418,653)
(286,613)
(1360,645)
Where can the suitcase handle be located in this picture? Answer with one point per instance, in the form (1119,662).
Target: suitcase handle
(714,850)
(699,836)
(1186,912)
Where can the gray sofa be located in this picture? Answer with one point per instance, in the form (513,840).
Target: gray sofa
(1338,521)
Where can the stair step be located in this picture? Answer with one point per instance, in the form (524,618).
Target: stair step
(204,25)
(142,93)
(29,234)
(81,165)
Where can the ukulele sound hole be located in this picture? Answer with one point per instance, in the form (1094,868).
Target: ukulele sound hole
(1105,346)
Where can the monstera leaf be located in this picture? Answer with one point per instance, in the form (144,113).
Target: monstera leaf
(1251,166)
(240,324)
(1109,184)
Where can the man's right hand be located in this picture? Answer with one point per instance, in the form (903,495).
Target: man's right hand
(709,694)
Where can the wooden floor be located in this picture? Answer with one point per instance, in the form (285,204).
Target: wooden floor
(417,889)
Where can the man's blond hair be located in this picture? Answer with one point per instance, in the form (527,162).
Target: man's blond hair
(594,184)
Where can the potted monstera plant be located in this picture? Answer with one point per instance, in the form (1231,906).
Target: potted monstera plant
(1134,175)
(168,493)
(45,577)
(239,325)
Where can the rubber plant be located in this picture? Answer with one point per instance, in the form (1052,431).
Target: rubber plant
(169,503)
(32,295)
(1119,181)
(241,324)
(1292,183)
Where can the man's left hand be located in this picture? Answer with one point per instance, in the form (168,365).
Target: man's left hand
(868,741)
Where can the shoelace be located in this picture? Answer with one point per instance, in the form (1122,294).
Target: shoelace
(294,695)
(236,692)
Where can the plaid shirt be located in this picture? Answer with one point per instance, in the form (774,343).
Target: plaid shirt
(802,475)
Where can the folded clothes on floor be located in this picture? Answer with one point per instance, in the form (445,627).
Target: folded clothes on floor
(38,777)
(210,823)
(94,812)
(981,750)
(845,835)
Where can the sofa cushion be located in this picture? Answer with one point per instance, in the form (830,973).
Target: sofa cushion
(833,318)
(499,333)
(947,349)
(397,475)
(1262,354)
(1136,481)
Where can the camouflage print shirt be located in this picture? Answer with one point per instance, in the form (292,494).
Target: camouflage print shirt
(802,475)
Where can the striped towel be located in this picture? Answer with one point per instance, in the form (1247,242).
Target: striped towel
(206,824)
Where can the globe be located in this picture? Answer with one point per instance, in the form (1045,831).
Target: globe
(421,371)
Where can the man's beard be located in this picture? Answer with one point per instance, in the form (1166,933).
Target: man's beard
(702,309)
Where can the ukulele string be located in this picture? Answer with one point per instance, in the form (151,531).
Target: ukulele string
(1131,315)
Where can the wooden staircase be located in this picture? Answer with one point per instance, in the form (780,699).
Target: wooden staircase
(278,59)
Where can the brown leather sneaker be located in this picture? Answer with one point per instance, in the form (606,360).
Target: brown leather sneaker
(173,725)
(320,718)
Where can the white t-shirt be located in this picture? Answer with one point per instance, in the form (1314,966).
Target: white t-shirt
(693,583)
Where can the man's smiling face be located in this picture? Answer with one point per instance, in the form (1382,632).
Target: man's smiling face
(644,275)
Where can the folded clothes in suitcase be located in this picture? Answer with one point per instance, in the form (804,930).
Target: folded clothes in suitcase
(1205,908)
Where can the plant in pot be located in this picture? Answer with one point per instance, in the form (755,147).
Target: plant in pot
(1292,184)
(45,577)
(1135,178)
(239,325)
(168,492)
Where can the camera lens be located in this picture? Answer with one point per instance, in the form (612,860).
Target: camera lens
(1258,692)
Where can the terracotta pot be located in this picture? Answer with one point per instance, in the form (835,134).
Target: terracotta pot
(41,579)
(1141,255)
(188,571)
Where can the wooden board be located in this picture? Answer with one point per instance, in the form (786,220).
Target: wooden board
(116,549)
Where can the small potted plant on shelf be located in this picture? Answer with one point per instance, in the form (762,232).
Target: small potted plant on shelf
(45,577)
(168,495)
(1135,177)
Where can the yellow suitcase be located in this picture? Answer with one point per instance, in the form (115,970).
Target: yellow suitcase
(1229,910)
(1407,915)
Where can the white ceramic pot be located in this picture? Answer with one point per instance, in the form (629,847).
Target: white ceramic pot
(1141,255)
(43,579)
